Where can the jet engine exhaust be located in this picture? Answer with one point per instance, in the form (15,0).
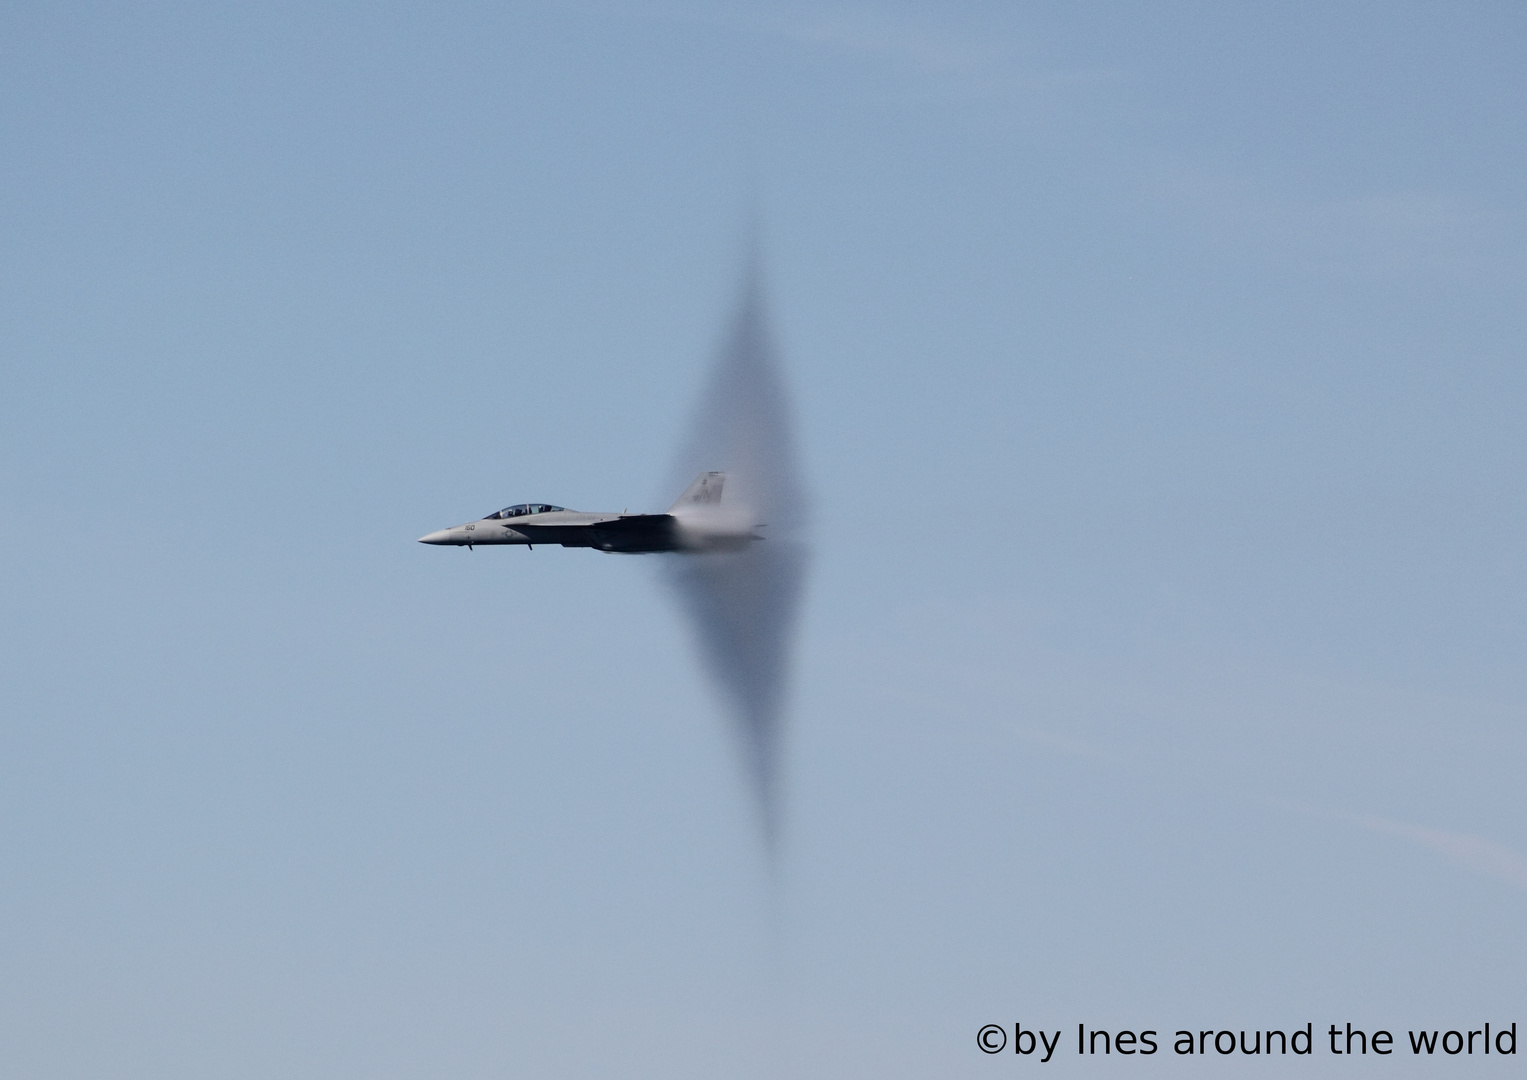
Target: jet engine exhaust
(742,603)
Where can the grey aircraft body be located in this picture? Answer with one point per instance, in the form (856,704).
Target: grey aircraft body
(697,522)
(741,597)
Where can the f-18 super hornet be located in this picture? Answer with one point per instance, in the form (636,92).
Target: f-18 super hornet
(735,539)
(697,522)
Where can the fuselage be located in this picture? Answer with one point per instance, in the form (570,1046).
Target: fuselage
(696,523)
(537,523)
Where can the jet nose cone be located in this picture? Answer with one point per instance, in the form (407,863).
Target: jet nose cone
(440,536)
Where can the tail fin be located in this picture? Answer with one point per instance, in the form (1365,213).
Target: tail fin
(705,491)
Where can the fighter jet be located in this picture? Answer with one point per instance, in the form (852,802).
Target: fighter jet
(697,522)
(740,591)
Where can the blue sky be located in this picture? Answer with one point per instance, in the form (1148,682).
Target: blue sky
(1159,375)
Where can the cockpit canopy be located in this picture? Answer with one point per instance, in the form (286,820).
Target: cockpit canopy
(522,510)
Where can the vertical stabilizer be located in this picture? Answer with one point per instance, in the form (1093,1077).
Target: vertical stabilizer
(705,491)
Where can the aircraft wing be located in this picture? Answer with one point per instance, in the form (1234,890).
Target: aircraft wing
(635,533)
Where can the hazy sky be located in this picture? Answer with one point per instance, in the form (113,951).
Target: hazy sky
(1160,376)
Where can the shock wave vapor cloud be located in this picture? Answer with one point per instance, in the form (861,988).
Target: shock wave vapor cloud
(742,605)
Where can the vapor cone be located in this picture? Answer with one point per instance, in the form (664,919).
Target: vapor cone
(742,602)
